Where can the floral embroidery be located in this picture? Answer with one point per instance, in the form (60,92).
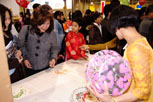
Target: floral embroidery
(73,52)
(67,43)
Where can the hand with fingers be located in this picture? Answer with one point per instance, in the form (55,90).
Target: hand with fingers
(28,64)
(103,97)
(18,56)
(84,47)
(52,63)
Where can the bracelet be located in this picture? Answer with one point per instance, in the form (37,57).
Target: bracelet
(113,100)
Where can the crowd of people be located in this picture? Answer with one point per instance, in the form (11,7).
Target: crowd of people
(46,39)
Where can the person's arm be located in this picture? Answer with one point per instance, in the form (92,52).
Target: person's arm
(54,49)
(140,59)
(109,44)
(106,97)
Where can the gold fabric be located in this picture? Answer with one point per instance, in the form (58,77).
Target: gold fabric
(109,44)
(140,56)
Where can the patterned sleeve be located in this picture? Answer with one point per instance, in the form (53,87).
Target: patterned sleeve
(139,57)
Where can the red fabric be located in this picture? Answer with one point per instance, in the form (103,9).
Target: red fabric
(73,42)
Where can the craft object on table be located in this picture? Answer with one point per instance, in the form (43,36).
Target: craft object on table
(82,95)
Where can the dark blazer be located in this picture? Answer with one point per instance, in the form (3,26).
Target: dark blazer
(95,36)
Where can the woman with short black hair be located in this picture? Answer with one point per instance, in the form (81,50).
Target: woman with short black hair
(138,52)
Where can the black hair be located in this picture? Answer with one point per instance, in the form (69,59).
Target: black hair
(149,9)
(107,9)
(35,5)
(121,17)
(150,35)
(88,12)
(57,13)
(21,14)
(78,21)
(76,14)
(70,15)
(3,10)
(62,14)
(28,11)
(142,11)
(94,16)
(114,3)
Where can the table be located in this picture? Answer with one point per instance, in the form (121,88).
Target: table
(52,85)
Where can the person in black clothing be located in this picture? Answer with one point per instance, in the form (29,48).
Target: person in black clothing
(107,36)
(27,19)
(86,21)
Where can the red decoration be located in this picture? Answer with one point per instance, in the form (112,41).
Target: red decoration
(141,2)
(22,3)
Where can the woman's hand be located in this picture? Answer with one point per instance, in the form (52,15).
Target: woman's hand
(84,47)
(52,63)
(20,59)
(18,56)
(27,64)
(103,97)
(18,53)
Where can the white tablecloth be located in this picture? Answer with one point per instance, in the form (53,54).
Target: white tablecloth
(52,85)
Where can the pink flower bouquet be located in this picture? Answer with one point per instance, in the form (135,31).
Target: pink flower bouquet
(109,66)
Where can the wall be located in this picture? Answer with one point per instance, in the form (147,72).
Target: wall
(12,5)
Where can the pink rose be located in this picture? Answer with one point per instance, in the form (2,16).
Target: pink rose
(110,76)
(127,76)
(116,92)
(122,68)
(120,83)
(110,84)
(126,86)
(117,59)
